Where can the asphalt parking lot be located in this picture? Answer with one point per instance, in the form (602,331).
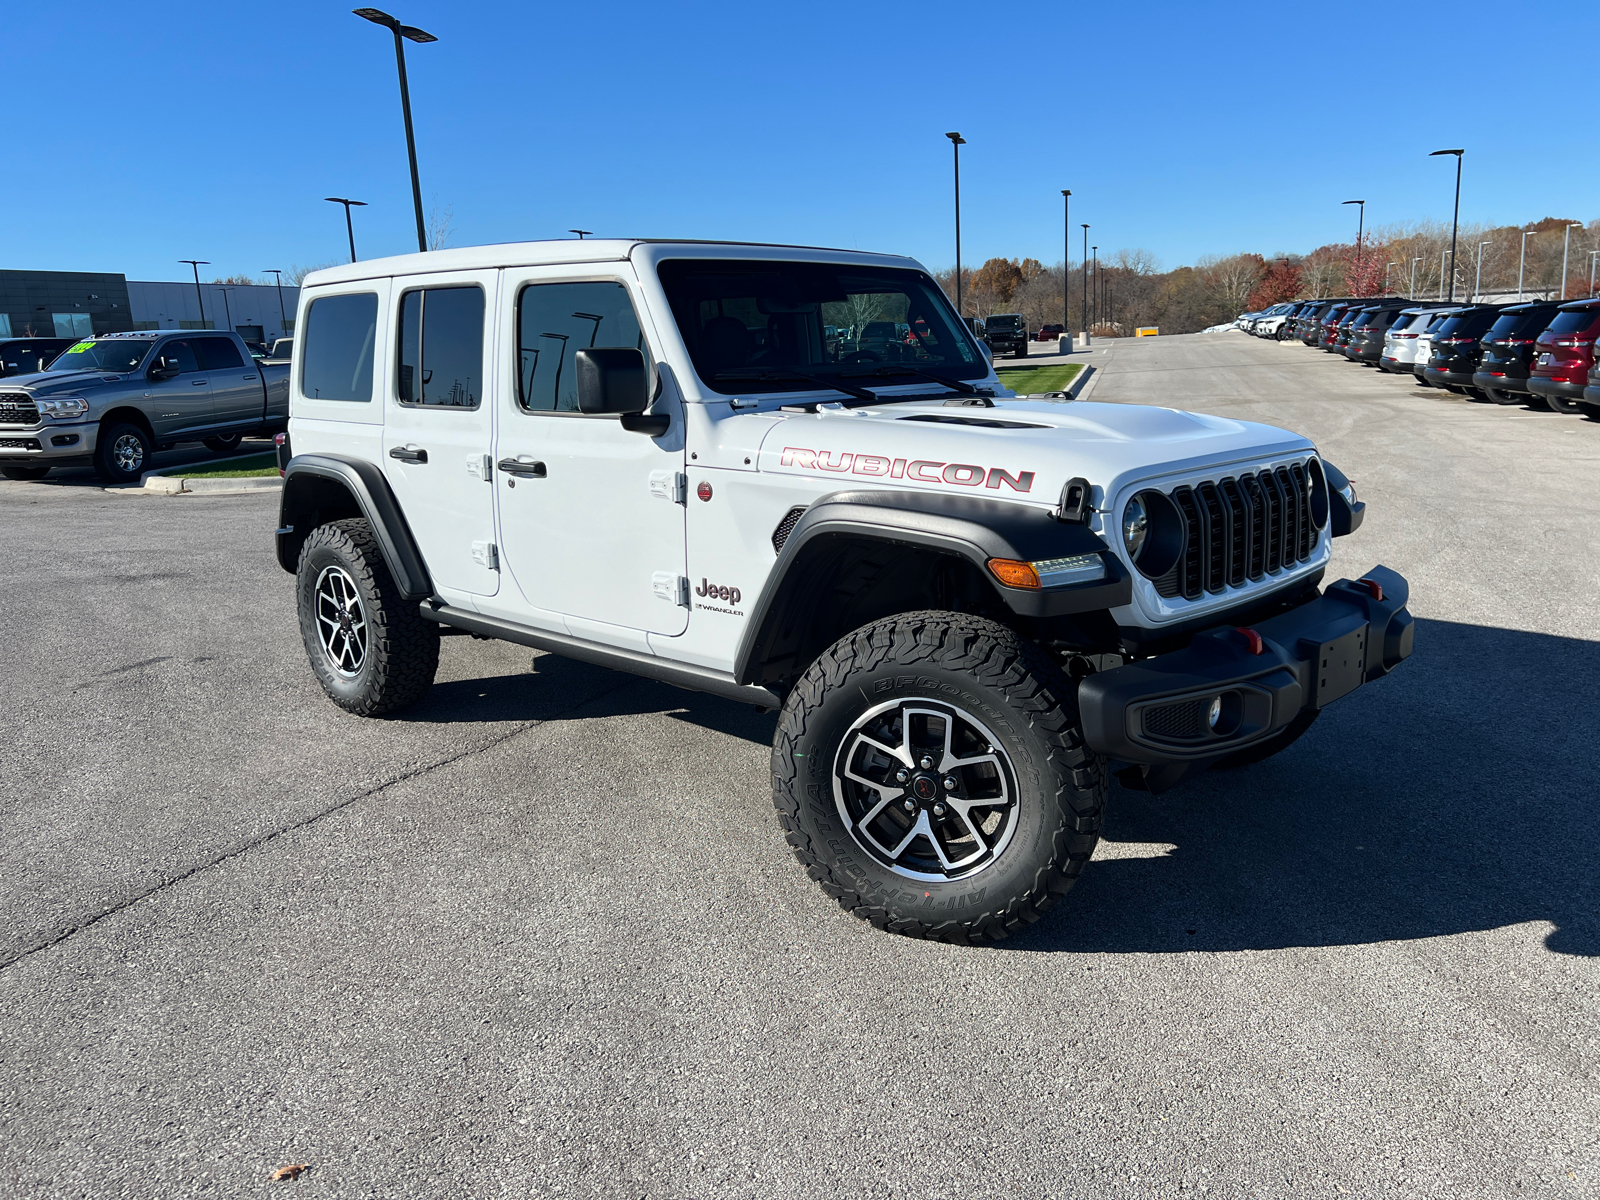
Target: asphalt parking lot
(541,937)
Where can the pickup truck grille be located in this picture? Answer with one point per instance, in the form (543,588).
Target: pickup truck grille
(19,443)
(1240,530)
(18,408)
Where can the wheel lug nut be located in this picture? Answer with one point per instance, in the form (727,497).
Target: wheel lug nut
(927,761)
(938,810)
(949,783)
(910,806)
(902,775)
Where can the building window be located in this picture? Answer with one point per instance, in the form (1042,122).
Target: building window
(73,325)
(5,325)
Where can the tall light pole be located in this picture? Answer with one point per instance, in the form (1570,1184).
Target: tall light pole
(227,309)
(1386,277)
(1096,251)
(1361,222)
(1066,260)
(1411,294)
(956,142)
(582,233)
(1088,328)
(197,263)
(1455,221)
(1452,253)
(348,227)
(1477,283)
(1592,255)
(412,34)
(1523,260)
(283,319)
(1566,248)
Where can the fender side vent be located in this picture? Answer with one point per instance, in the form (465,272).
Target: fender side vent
(780,535)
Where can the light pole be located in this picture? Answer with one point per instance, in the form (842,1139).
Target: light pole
(1088,329)
(956,142)
(1066,260)
(1361,222)
(1523,260)
(1455,221)
(1592,255)
(413,34)
(283,319)
(1411,293)
(197,263)
(1566,248)
(348,227)
(1452,253)
(1477,283)
(1386,277)
(227,309)
(1096,314)
(582,233)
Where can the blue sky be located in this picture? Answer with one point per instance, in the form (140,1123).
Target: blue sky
(213,131)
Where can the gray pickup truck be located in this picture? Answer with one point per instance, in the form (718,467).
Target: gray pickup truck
(115,399)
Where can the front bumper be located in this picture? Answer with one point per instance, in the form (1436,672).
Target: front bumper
(1155,712)
(48,444)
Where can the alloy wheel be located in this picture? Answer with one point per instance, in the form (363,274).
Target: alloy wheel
(341,621)
(127,452)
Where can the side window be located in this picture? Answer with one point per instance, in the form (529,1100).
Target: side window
(441,347)
(181,350)
(554,322)
(336,361)
(217,354)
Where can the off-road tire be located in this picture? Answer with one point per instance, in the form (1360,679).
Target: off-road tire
(224,445)
(978,667)
(114,467)
(19,472)
(1278,742)
(401,651)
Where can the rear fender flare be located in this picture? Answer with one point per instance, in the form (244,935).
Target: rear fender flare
(318,488)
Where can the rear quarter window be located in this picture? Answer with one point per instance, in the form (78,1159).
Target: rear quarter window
(336,363)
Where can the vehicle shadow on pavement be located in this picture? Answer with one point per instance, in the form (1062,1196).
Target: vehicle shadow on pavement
(1458,794)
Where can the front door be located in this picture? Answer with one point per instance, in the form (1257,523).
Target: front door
(591,515)
(436,436)
(236,395)
(179,406)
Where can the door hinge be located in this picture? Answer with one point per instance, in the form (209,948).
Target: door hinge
(487,555)
(481,466)
(670,485)
(671,587)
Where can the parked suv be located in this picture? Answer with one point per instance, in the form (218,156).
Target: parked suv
(1006,333)
(1564,353)
(1453,358)
(1508,350)
(29,356)
(114,399)
(1425,335)
(1401,338)
(1367,331)
(968,609)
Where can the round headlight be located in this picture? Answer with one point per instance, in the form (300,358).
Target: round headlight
(1135,527)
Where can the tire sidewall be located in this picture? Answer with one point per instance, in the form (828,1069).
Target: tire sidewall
(352,691)
(1038,815)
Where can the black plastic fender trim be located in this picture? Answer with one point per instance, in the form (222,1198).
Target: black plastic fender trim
(967,527)
(370,490)
(1344,517)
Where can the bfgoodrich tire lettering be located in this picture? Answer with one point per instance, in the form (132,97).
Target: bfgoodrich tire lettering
(370,649)
(1000,685)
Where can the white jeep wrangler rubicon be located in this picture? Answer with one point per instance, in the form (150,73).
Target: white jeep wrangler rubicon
(790,477)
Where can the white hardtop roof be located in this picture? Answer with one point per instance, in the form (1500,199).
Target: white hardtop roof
(573,250)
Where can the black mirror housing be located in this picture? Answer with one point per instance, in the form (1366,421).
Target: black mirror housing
(612,380)
(163,368)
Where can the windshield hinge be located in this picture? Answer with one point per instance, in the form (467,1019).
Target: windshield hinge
(1075,507)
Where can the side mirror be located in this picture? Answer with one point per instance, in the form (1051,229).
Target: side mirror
(613,380)
(164,368)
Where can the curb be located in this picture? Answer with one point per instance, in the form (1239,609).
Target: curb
(172,482)
(1073,391)
(1084,385)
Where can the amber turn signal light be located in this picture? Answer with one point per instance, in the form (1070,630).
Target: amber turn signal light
(1013,573)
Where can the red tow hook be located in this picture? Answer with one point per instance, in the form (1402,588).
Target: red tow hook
(1257,645)
(1374,587)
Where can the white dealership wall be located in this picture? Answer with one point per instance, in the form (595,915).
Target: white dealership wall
(227,306)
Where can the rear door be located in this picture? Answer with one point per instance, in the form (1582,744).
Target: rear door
(438,425)
(235,381)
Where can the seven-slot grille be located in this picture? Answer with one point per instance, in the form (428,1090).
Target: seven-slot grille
(1240,529)
(18,408)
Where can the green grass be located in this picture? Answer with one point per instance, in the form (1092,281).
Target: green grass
(1039,379)
(242,468)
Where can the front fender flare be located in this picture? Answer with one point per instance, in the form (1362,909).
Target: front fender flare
(315,485)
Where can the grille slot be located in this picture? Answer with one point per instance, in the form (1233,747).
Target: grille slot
(1180,722)
(18,409)
(1239,530)
(780,535)
(19,443)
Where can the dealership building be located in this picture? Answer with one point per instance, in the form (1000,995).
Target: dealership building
(80,303)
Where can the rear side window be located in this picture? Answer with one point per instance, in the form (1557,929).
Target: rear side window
(1576,320)
(441,347)
(1405,321)
(337,360)
(554,322)
(217,354)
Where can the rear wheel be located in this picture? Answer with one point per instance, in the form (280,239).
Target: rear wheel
(24,472)
(1501,396)
(930,774)
(122,453)
(224,445)
(1561,404)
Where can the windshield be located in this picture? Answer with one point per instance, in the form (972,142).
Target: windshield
(748,323)
(1574,320)
(1002,321)
(119,354)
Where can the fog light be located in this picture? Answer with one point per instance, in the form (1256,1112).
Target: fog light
(1214,714)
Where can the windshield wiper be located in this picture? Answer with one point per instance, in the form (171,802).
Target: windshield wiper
(768,374)
(955,385)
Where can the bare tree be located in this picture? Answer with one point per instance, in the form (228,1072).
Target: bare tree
(296,274)
(439,225)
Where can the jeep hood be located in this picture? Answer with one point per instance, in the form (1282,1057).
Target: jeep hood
(1017,450)
(57,383)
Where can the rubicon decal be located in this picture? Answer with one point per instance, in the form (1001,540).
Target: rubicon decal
(921,470)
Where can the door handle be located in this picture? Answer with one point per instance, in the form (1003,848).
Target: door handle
(198,382)
(522,466)
(410,454)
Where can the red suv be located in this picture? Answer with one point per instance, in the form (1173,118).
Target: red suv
(1049,333)
(1563,355)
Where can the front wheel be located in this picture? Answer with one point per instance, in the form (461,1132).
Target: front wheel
(122,453)
(930,774)
(370,649)
(11,472)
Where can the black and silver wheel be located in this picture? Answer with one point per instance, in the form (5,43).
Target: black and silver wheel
(224,445)
(370,649)
(21,471)
(930,774)
(122,453)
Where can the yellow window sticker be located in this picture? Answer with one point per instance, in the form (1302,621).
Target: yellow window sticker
(80,348)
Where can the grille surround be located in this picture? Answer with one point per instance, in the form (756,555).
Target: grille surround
(18,408)
(1241,529)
